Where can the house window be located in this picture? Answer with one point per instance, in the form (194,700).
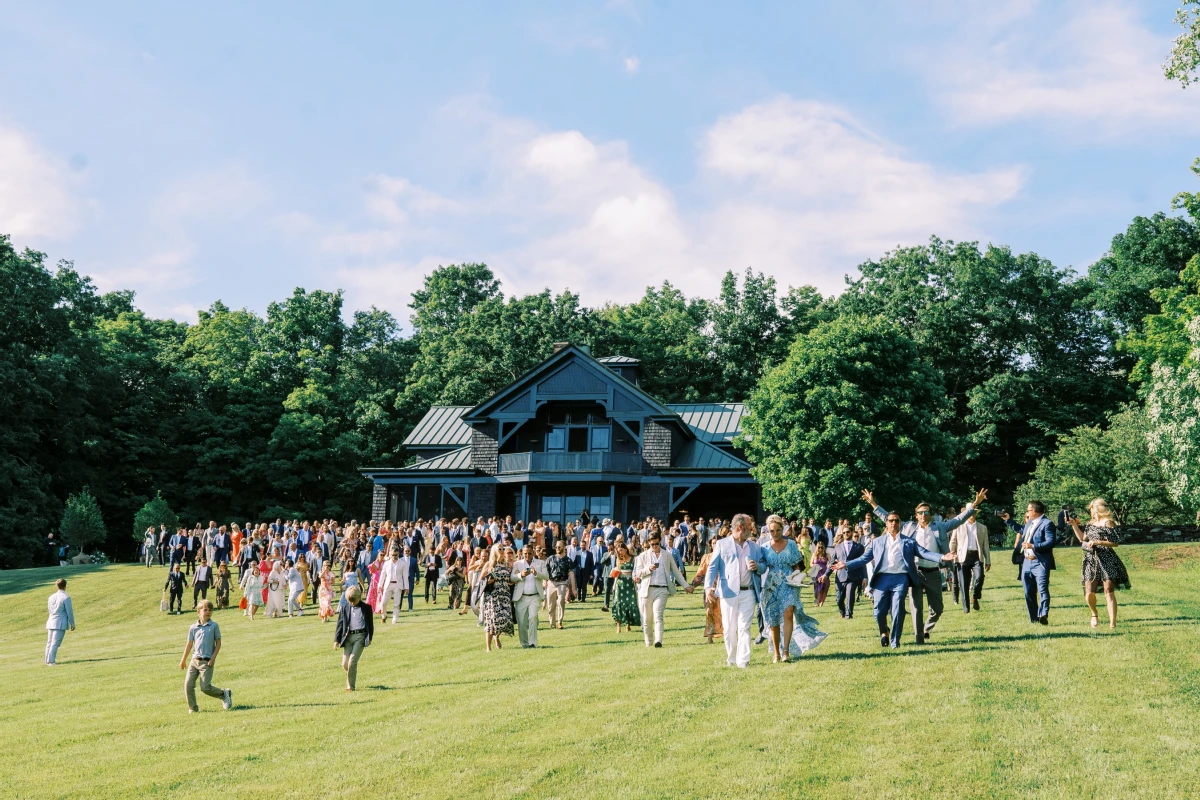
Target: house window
(601,507)
(551,507)
(600,439)
(577,440)
(575,506)
(556,439)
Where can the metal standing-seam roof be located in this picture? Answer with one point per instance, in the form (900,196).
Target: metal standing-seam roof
(716,423)
(698,455)
(459,459)
(620,361)
(442,426)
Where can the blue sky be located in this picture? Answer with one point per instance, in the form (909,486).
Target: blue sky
(236,151)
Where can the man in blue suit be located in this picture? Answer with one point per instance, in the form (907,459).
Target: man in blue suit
(894,560)
(584,564)
(1035,543)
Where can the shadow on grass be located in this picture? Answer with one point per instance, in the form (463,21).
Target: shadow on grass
(119,658)
(449,683)
(15,581)
(255,707)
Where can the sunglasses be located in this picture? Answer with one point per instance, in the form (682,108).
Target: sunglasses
(893,519)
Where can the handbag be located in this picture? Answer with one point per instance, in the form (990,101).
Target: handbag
(243,603)
(795,578)
(163,605)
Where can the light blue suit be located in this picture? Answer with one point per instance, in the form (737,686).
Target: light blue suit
(60,619)
(725,572)
(890,588)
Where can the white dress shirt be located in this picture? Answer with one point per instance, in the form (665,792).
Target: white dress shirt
(743,551)
(970,537)
(893,555)
(528,584)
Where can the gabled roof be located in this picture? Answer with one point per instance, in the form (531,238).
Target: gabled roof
(554,369)
(442,426)
(700,455)
(712,422)
(459,459)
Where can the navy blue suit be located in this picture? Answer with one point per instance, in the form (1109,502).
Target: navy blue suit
(1035,572)
(585,565)
(890,588)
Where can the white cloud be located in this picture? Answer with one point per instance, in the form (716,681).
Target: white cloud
(797,189)
(632,65)
(35,191)
(1094,65)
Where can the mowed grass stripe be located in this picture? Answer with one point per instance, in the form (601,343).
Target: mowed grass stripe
(993,707)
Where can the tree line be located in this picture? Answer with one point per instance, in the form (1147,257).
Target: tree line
(939,368)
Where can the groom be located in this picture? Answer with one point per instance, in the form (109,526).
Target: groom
(893,558)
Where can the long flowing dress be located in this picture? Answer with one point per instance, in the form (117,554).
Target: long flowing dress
(1102,563)
(777,594)
(625,602)
(712,607)
(497,601)
(325,595)
(820,579)
(374,599)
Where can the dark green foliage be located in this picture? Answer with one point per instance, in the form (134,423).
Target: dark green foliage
(853,406)
(156,512)
(82,525)
(1113,462)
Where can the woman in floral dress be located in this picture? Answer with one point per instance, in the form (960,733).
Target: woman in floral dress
(793,633)
(497,597)
(374,599)
(625,601)
(1101,564)
(325,593)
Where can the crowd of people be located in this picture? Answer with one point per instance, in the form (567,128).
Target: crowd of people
(504,573)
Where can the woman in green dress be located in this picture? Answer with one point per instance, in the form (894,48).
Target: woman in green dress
(625,604)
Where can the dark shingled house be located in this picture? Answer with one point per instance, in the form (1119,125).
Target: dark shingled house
(574,434)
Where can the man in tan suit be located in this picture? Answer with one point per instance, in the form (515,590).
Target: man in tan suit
(656,575)
(972,558)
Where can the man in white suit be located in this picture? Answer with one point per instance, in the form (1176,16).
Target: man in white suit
(656,575)
(529,576)
(393,577)
(733,578)
(60,620)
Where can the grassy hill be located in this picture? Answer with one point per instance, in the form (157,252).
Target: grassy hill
(995,707)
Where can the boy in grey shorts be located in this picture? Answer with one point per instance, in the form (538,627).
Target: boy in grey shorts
(205,638)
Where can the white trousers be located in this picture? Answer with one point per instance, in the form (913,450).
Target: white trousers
(394,592)
(654,604)
(526,609)
(54,640)
(737,613)
(296,601)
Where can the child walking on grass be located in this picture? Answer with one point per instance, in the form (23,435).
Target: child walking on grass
(204,637)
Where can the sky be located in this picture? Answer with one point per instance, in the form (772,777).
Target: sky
(235,151)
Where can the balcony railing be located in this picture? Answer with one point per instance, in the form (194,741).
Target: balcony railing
(626,463)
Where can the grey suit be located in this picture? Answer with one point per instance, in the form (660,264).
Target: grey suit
(60,619)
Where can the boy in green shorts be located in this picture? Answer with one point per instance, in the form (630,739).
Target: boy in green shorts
(205,637)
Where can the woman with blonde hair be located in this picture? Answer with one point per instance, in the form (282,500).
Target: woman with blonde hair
(1101,564)
(496,584)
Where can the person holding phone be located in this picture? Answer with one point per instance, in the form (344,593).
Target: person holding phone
(528,578)
(1101,564)
(656,573)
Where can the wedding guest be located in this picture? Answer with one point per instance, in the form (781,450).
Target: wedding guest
(203,646)
(355,629)
(779,597)
(252,589)
(528,576)
(625,600)
(1101,564)
(496,597)
(894,559)
(295,590)
(393,577)
(712,608)
(433,571)
(656,574)
(848,581)
(325,593)
(60,618)
(558,587)
(222,583)
(201,580)
(1033,551)
(820,574)
(972,558)
(276,590)
(176,581)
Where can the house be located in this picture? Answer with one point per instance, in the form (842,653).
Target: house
(573,434)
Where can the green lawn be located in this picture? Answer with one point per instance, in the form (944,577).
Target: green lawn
(994,708)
